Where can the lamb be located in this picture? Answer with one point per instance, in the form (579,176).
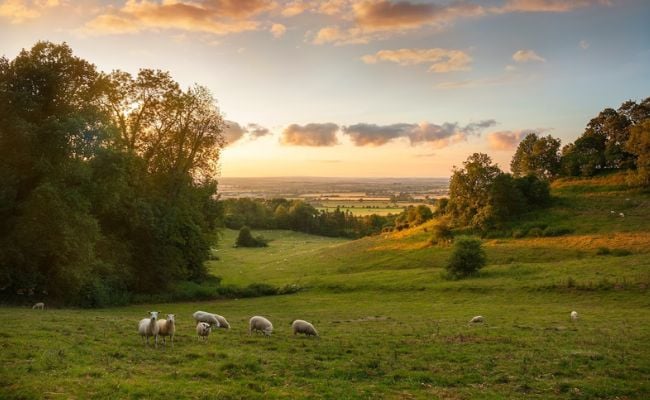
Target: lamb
(167,328)
(476,319)
(574,315)
(260,324)
(203,330)
(149,327)
(300,326)
(39,306)
(209,318)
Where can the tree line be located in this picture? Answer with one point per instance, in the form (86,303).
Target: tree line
(107,180)
(483,197)
(301,216)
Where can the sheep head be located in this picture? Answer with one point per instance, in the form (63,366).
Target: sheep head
(153,315)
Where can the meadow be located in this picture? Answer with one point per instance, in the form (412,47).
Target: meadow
(391,326)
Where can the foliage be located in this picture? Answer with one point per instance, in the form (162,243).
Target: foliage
(107,182)
(639,145)
(604,143)
(441,233)
(535,155)
(466,258)
(246,239)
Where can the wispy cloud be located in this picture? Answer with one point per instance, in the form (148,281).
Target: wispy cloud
(278,30)
(554,6)
(441,60)
(314,135)
(509,140)
(584,45)
(524,56)
(438,136)
(19,11)
(219,17)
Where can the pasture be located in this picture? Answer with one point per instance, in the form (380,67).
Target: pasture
(391,326)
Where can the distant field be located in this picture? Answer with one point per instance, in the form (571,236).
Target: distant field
(391,326)
(366,207)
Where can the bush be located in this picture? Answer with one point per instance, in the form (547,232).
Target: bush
(519,233)
(536,232)
(467,258)
(559,231)
(441,234)
(245,239)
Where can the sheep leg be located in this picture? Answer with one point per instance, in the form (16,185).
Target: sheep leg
(172,341)
(156,340)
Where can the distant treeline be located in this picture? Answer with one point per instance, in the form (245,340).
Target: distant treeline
(107,181)
(300,216)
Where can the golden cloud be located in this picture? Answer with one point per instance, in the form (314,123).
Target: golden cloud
(18,11)
(441,60)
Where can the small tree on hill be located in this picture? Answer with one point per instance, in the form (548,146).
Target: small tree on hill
(246,239)
(467,257)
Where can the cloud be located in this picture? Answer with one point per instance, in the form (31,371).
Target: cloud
(19,11)
(331,7)
(294,8)
(584,44)
(439,136)
(219,17)
(555,6)
(481,82)
(278,30)
(509,140)
(524,56)
(234,132)
(315,135)
(441,60)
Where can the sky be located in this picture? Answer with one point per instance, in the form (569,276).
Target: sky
(366,88)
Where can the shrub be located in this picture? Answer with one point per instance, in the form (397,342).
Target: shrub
(441,234)
(536,232)
(467,258)
(558,231)
(246,239)
(519,233)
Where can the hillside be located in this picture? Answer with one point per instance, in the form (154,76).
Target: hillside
(390,326)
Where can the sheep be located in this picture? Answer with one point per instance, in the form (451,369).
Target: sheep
(476,319)
(223,323)
(203,330)
(621,215)
(39,306)
(260,324)
(167,328)
(574,315)
(209,318)
(300,326)
(149,327)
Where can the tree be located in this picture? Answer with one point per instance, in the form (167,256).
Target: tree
(466,258)
(538,156)
(246,239)
(469,188)
(639,145)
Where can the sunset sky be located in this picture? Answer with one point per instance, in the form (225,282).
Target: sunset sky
(366,87)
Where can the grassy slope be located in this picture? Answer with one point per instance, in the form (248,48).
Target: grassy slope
(390,326)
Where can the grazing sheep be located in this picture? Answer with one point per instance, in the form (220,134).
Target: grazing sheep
(223,323)
(300,326)
(260,324)
(203,330)
(39,306)
(209,318)
(574,315)
(612,212)
(149,327)
(621,215)
(476,319)
(167,328)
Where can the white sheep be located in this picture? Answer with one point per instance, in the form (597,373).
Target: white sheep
(621,215)
(167,328)
(260,324)
(574,315)
(149,327)
(39,306)
(209,318)
(203,330)
(476,319)
(300,326)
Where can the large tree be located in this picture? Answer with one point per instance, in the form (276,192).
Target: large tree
(639,145)
(538,156)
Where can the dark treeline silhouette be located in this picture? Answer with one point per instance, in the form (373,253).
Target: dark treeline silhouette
(300,216)
(107,181)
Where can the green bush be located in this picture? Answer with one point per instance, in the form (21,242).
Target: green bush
(246,239)
(441,234)
(558,231)
(536,232)
(519,233)
(467,257)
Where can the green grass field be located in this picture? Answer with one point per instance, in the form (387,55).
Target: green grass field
(390,325)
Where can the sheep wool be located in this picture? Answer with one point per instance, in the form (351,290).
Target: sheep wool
(574,315)
(476,319)
(260,324)
(167,328)
(209,318)
(149,327)
(300,326)
(203,330)
(39,306)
